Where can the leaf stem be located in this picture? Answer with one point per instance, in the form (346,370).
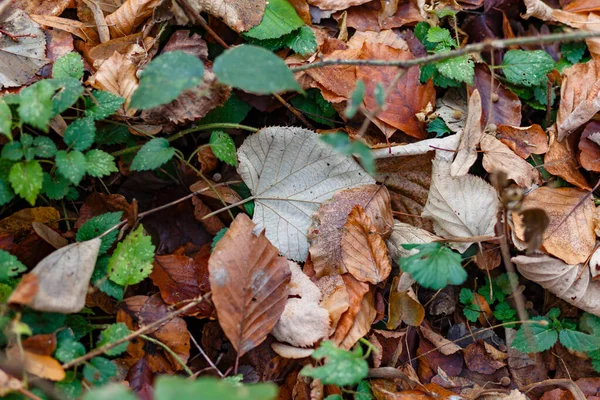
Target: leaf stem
(170,351)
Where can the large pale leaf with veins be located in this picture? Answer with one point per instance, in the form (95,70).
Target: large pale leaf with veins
(290,172)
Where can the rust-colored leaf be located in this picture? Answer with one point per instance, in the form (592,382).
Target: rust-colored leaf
(507,110)
(335,298)
(129,16)
(207,159)
(524,141)
(77,28)
(100,203)
(560,161)
(249,284)
(49,235)
(239,15)
(20,222)
(498,157)
(370,16)
(220,192)
(44,345)
(403,304)
(117,75)
(589,155)
(356,291)
(362,321)
(43,7)
(484,358)
(42,366)
(211,224)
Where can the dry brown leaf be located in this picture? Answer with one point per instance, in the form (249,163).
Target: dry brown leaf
(239,15)
(560,161)
(326,232)
(117,75)
(406,234)
(579,97)
(589,155)
(43,7)
(524,141)
(488,257)
(335,298)
(370,17)
(105,50)
(336,82)
(336,5)
(507,110)
(101,26)
(364,253)
(362,321)
(20,222)
(207,159)
(25,291)
(49,235)
(570,235)
(473,132)
(222,192)
(443,345)
(212,224)
(499,157)
(356,291)
(77,28)
(129,16)
(302,9)
(403,304)
(572,283)
(484,358)
(249,284)
(44,367)
(452,108)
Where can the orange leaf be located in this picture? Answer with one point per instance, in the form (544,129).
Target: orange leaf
(45,367)
(560,161)
(129,16)
(524,141)
(589,157)
(403,305)
(356,291)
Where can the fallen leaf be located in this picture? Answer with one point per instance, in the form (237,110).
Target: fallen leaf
(448,143)
(589,155)
(121,45)
(460,207)
(452,108)
(249,284)
(290,172)
(560,161)
(20,222)
(570,235)
(488,257)
(117,75)
(226,193)
(77,28)
(370,17)
(212,224)
(100,203)
(130,15)
(43,7)
(524,141)
(25,291)
(239,15)
(499,157)
(49,235)
(362,322)
(336,4)
(335,298)
(572,283)
(44,344)
(140,379)
(406,234)
(466,153)
(287,351)
(431,360)
(356,292)
(507,110)
(100,22)
(20,59)
(364,253)
(484,358)
(403,304)
(579,97)
(63,278)
(207,159)
(443,345)
(44,367)
(303,321)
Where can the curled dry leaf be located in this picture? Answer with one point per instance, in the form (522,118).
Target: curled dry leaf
(239,15)
(335,298)
(403,304)
(472,133)
(484,358)
(63,278)
(130,15)
(443,345)
(20,223)
(507,110)
(356,292)
(326,233)
(290,172)
(99,20)
(303,322)
(20,59)
(207,159)
(117,75)
(212,224)
(524,141)
(105,50)
(226,193)
(589,147)
(452,108)
(570,235)
(560,161)
(371,16)
(499,157)
(362,321)
(77,28)
(49,235)
(364,253)
(461,207)
(44,367)
(249,283)
(287,351)
(449,143)
(572,283)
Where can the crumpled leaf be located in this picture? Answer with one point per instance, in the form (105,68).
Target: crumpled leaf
(20,60)
(336,4)
(303,321)
(499,157)
(466,153)
(130,15)
(356,292)
(452,108)
(403,304)
(572,283)
(335,298)
(249,284)
(63,278)
(570,235)
(507,110)
(290,172)
(461,207)
(117,75)
(560,160)
(239,15)
(525,140)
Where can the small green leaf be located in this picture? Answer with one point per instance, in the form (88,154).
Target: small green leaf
(504,312)
(218,237)
(99,370)
(303,42)
(10,266)
(78,325)
(363,391)
(459,68)
(102,105)
(435,266)
(6,193)
(542,337)
(223,147)
(465,296)
(440,35)
(421,31)
(12,151)
(255,70)
(279,19)
(234,111)
(472,312)
(44,147)
(69,388)
(527,68)
(439,127)
(152,155)
(573,51)
(131,262)
(590,323)
(165,78)
(68,349)
(69,91)
(42,322)
(5,119)
(99,163)
(112,391)
(579,341)
(71,165)
(80,134)
(96,226)
(26,178)
(35,104)
(55,187)
(315,107)
(342,367)
(68,66)
(553,313)
(102,282)
(111,334)
(168,387)
(356,99)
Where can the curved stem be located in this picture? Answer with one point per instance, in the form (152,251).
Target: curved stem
(170,351)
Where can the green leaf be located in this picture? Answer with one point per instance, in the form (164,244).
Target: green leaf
(99,370)
(439,127)
(303,42)
(595,356)
(68,66)
(69,91)
(35,104)
(465,296)
(26,178)
(527,68)
(12,151)
(553,313)
(234,111)
(99,163)
(435,266)
(573,51)
(96,226)
(43,322)
(10,266)
(152,155)
(541,338)
(44,147)
(356,99)
(223,147)
(78,325)
(114,134)
(175,387)
(56,187)
(421,31)
(579,341)
(460,68)
(440,35)
(255,70)
(68,349)
(497,292)
(6,193)
(341,143)
(112,391)
(80,134)
(101,281)
(590,323)
(472,312)
(69,388)
(279,19)
(132,260)
(102,105)
(165,78)
(218,237)
(71,165)
(342,367)
(5,119)
(363,391)
(315,107)
(504,312)
(111,334)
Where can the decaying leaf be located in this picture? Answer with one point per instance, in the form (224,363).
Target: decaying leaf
(570,235)
(473,132)
(356,292)
(249,284)
(77,28)
(326,233)
(336,4)
(442,344)
(212,224)
(362,321)
(290,172)
(403,304)
(406,234)
(43,7)
(506,110)
(117,75)
(335,298)
(524,141)
(560,160)
(239,15)
(44,367)
(452,108)
(63,278)
(129,16)
(589,147)
(49,235)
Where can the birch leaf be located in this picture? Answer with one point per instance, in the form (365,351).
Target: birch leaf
(290,172)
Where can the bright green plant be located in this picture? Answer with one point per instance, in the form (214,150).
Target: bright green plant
(342,144)
(342,367)
(471,309)
(435,266)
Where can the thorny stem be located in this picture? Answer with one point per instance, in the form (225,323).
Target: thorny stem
(143,330)
(170,351)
